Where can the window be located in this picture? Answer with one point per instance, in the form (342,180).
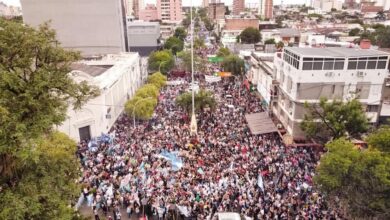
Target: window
(371,64)
(372,108)
(307,66)
(352,65)
(362,63)
(381,64)
(339,65)
(328,65)
(317,66)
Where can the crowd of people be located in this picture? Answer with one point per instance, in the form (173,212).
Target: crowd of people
(225,168)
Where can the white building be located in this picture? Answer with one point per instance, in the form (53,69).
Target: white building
(94,27)
(307,74)
(327,5)
(118,77)
(229,38)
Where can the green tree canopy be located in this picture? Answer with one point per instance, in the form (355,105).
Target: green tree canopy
(270,41)
(250,35)
(354,32)
(336,119)
(47,184)
(185,58)
(174,44)
(223,52)
(38,168)
(380,139)
(359,178)
(234,64)
(203,99)
(180,33)
(383,37)
(148,90)
(141,108)
(208,24)
(157,79)
(161,61)
(280,44)
(199,43)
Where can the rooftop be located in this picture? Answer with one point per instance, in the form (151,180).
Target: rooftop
(336,52)
(90,70)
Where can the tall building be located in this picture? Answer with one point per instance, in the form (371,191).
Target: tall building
(91,26)
(129,4)
(144,37)
(216,10)
(138,5)
(327,5)
(149,13)
(238,6)
(307,74)
(266,8)
(205,3)
(169,10)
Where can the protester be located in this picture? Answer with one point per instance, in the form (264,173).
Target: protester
(158,169)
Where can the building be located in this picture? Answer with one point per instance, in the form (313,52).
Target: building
(205,3)
(169,10)
(9,11)
(327,5)
(241,23)
(307,74)
(238,6)
(229,38)
(118,77)
(138,5)
(383,3)
(266,8)
(286,35)
(143,37)
(350,4)
(129,7)
(91,26)
(216,10)
(149,13)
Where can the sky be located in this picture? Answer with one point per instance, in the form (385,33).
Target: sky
(188,2)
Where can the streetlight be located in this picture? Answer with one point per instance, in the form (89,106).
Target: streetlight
(136,105)
(193,125)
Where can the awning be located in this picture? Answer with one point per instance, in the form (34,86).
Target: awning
(260,123)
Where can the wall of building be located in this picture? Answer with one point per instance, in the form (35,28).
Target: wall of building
(241,23)
(169,10)
(101,112)
(143,37)
(216,11)
(90,26)
(149,13)
(238,6)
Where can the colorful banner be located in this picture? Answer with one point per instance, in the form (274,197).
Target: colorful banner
(225,74)
(212,79)
(215,59)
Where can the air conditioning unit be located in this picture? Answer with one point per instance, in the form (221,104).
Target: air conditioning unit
(360,74)
(108,116)
(329,74)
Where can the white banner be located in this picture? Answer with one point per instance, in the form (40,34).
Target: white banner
(211,79)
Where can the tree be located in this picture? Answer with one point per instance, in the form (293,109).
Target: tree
(203,99)
(280,44)
(354,32)
(199,63)
(157,79)
(208,24)
(380,139)
(186,21)
(35,88)
(47,184)
(161,61)
(180,33)
(199,43)
(333,10)
(383,37)
(360,179)
(146,91)
(223,52)
(250,35)
(270,41)
(174,44)
(227,10)
(140,107)
(331,120)
(234,64)
(202,12)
